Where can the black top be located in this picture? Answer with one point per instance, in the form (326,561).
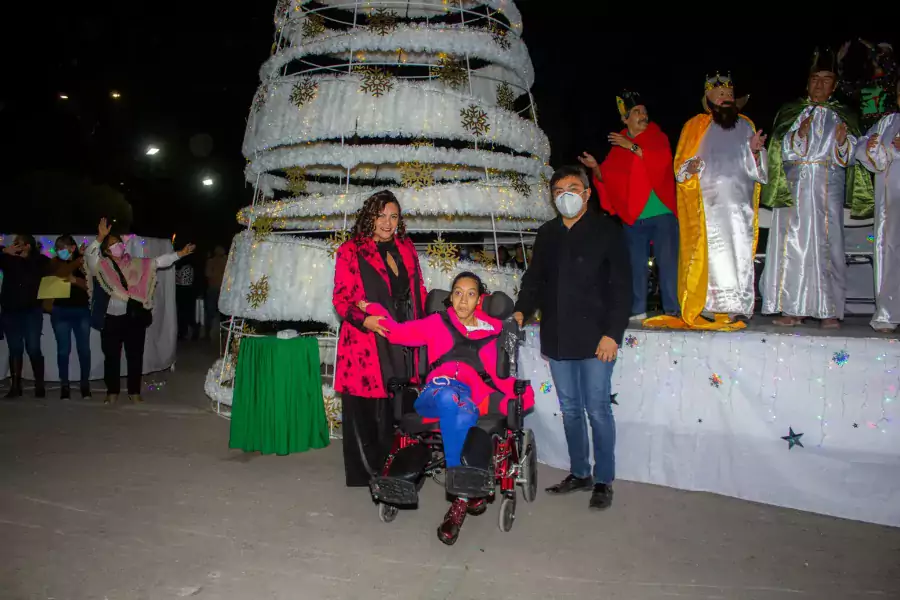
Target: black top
(580,280)
(21,280)
(78,298)
(464,350)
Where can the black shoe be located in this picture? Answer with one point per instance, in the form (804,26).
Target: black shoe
(602,497)
(64,392)
(37,367)
(571,484)
(15,379)
(85,391)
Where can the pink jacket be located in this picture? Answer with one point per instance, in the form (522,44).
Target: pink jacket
(432,333)
(358,371)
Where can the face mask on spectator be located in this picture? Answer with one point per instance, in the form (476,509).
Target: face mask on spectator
(569,204)
(117,250)
(64,254)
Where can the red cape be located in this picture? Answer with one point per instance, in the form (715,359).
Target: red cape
(628,178)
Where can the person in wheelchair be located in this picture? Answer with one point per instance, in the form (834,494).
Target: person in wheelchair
(462,385)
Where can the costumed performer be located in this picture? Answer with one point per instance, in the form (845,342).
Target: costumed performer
(720,163)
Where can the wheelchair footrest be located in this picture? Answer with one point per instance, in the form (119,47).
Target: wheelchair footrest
(394,490)
(471,482)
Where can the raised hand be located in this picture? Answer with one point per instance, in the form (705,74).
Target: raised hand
(189,249)
(617,139)
(840,133)
(587,160)
(873,141)
(103,229)
(758,141)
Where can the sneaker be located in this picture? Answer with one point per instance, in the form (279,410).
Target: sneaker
(639,317)
(448,532)
(477,506)
(571,484)
(602,496)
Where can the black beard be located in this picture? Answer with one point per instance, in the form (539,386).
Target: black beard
(725,116)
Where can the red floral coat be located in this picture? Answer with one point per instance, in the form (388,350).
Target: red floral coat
(358,371)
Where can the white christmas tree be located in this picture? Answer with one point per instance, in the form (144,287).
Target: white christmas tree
(430,100)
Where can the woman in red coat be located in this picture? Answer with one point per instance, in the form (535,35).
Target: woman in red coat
(377,264)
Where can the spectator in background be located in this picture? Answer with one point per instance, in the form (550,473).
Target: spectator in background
(71,315)
(21,317)
(185,301)
(519,259)
(503,255)
(215,272)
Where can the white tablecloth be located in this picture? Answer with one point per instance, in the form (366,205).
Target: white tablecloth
(159,348)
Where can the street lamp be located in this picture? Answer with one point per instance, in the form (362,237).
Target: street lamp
(152,150)
(208,181)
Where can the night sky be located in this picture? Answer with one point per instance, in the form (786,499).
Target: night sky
(187,77)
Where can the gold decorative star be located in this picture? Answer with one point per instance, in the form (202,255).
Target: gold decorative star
(450,72)
(313,25)
(506,99)
(335,240)
(442,255)
(296,178)
(474,119)
(383,21)
(417,175)
(259,292)
(304,91)
(262,226)
(375,81)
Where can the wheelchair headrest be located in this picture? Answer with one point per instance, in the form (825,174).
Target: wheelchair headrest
(497,305)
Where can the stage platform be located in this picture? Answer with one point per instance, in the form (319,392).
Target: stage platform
(803,418)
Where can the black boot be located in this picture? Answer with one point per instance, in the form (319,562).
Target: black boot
(64,391)
(15,378)
(85,390)
(37,365)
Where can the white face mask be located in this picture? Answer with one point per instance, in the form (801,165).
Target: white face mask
(569,204)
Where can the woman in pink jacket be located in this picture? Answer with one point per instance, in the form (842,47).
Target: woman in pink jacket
(378,263)
(463,382)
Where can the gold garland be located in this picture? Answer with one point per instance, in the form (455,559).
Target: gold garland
(259,292)
(442,255)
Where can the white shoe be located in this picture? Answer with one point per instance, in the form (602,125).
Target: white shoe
(639,317)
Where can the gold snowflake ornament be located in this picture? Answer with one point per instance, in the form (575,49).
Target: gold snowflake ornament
(518,182)
(442,255)
(500,35)
(506,99)
(259,292)
(304,91)
(296,180)
(259,100)
(335,240)
(313,25)
(375,81)
(417,175)
(474,120)
(383,21)
(484,259)
(332,410)
(262,226)
(450,72)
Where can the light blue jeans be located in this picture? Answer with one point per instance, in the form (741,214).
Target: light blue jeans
(583,388)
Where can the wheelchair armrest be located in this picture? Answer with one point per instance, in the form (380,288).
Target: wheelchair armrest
(515,407)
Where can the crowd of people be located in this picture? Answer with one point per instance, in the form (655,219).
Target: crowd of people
(109,290)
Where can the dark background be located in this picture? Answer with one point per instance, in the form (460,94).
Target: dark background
(187,73)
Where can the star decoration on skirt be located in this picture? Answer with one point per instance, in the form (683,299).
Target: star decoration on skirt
(715,380)
(450,72)
(313,25)
(793,439)
(631,341)
(296,180)
(262,226)
(546,386)
(416,175)
(506,98)
(612,398)
(259,292)
(840,358)
(259,100)
(474,120)
(304,91)
(335,240)
(375,81)
(383,21)
(442,255)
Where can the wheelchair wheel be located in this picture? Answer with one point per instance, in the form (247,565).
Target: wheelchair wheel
(387,512)
(507,513)
(528,476)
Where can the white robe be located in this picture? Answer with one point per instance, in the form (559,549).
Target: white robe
(884,161)
(805,270)
(728,174)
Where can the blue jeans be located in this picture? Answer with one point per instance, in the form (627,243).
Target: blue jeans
(583,386)
(662,231)
(23,332)
(451,402)
(68,320)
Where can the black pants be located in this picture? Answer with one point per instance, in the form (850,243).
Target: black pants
(186,306)
(119,331)
(367,423)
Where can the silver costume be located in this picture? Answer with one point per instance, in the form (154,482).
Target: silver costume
(728,174)
(884,161)
(805,267)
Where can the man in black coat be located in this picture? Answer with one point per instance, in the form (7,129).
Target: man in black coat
(580,280)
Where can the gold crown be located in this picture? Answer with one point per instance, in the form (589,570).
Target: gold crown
(718,81)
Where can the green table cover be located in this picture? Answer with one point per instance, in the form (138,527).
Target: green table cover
(277,406)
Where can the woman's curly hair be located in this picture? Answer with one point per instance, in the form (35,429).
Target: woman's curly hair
(371,208)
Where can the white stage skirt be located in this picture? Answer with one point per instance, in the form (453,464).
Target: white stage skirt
(709,411)
(159,347)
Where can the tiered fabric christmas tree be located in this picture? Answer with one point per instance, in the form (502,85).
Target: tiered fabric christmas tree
(427,99)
